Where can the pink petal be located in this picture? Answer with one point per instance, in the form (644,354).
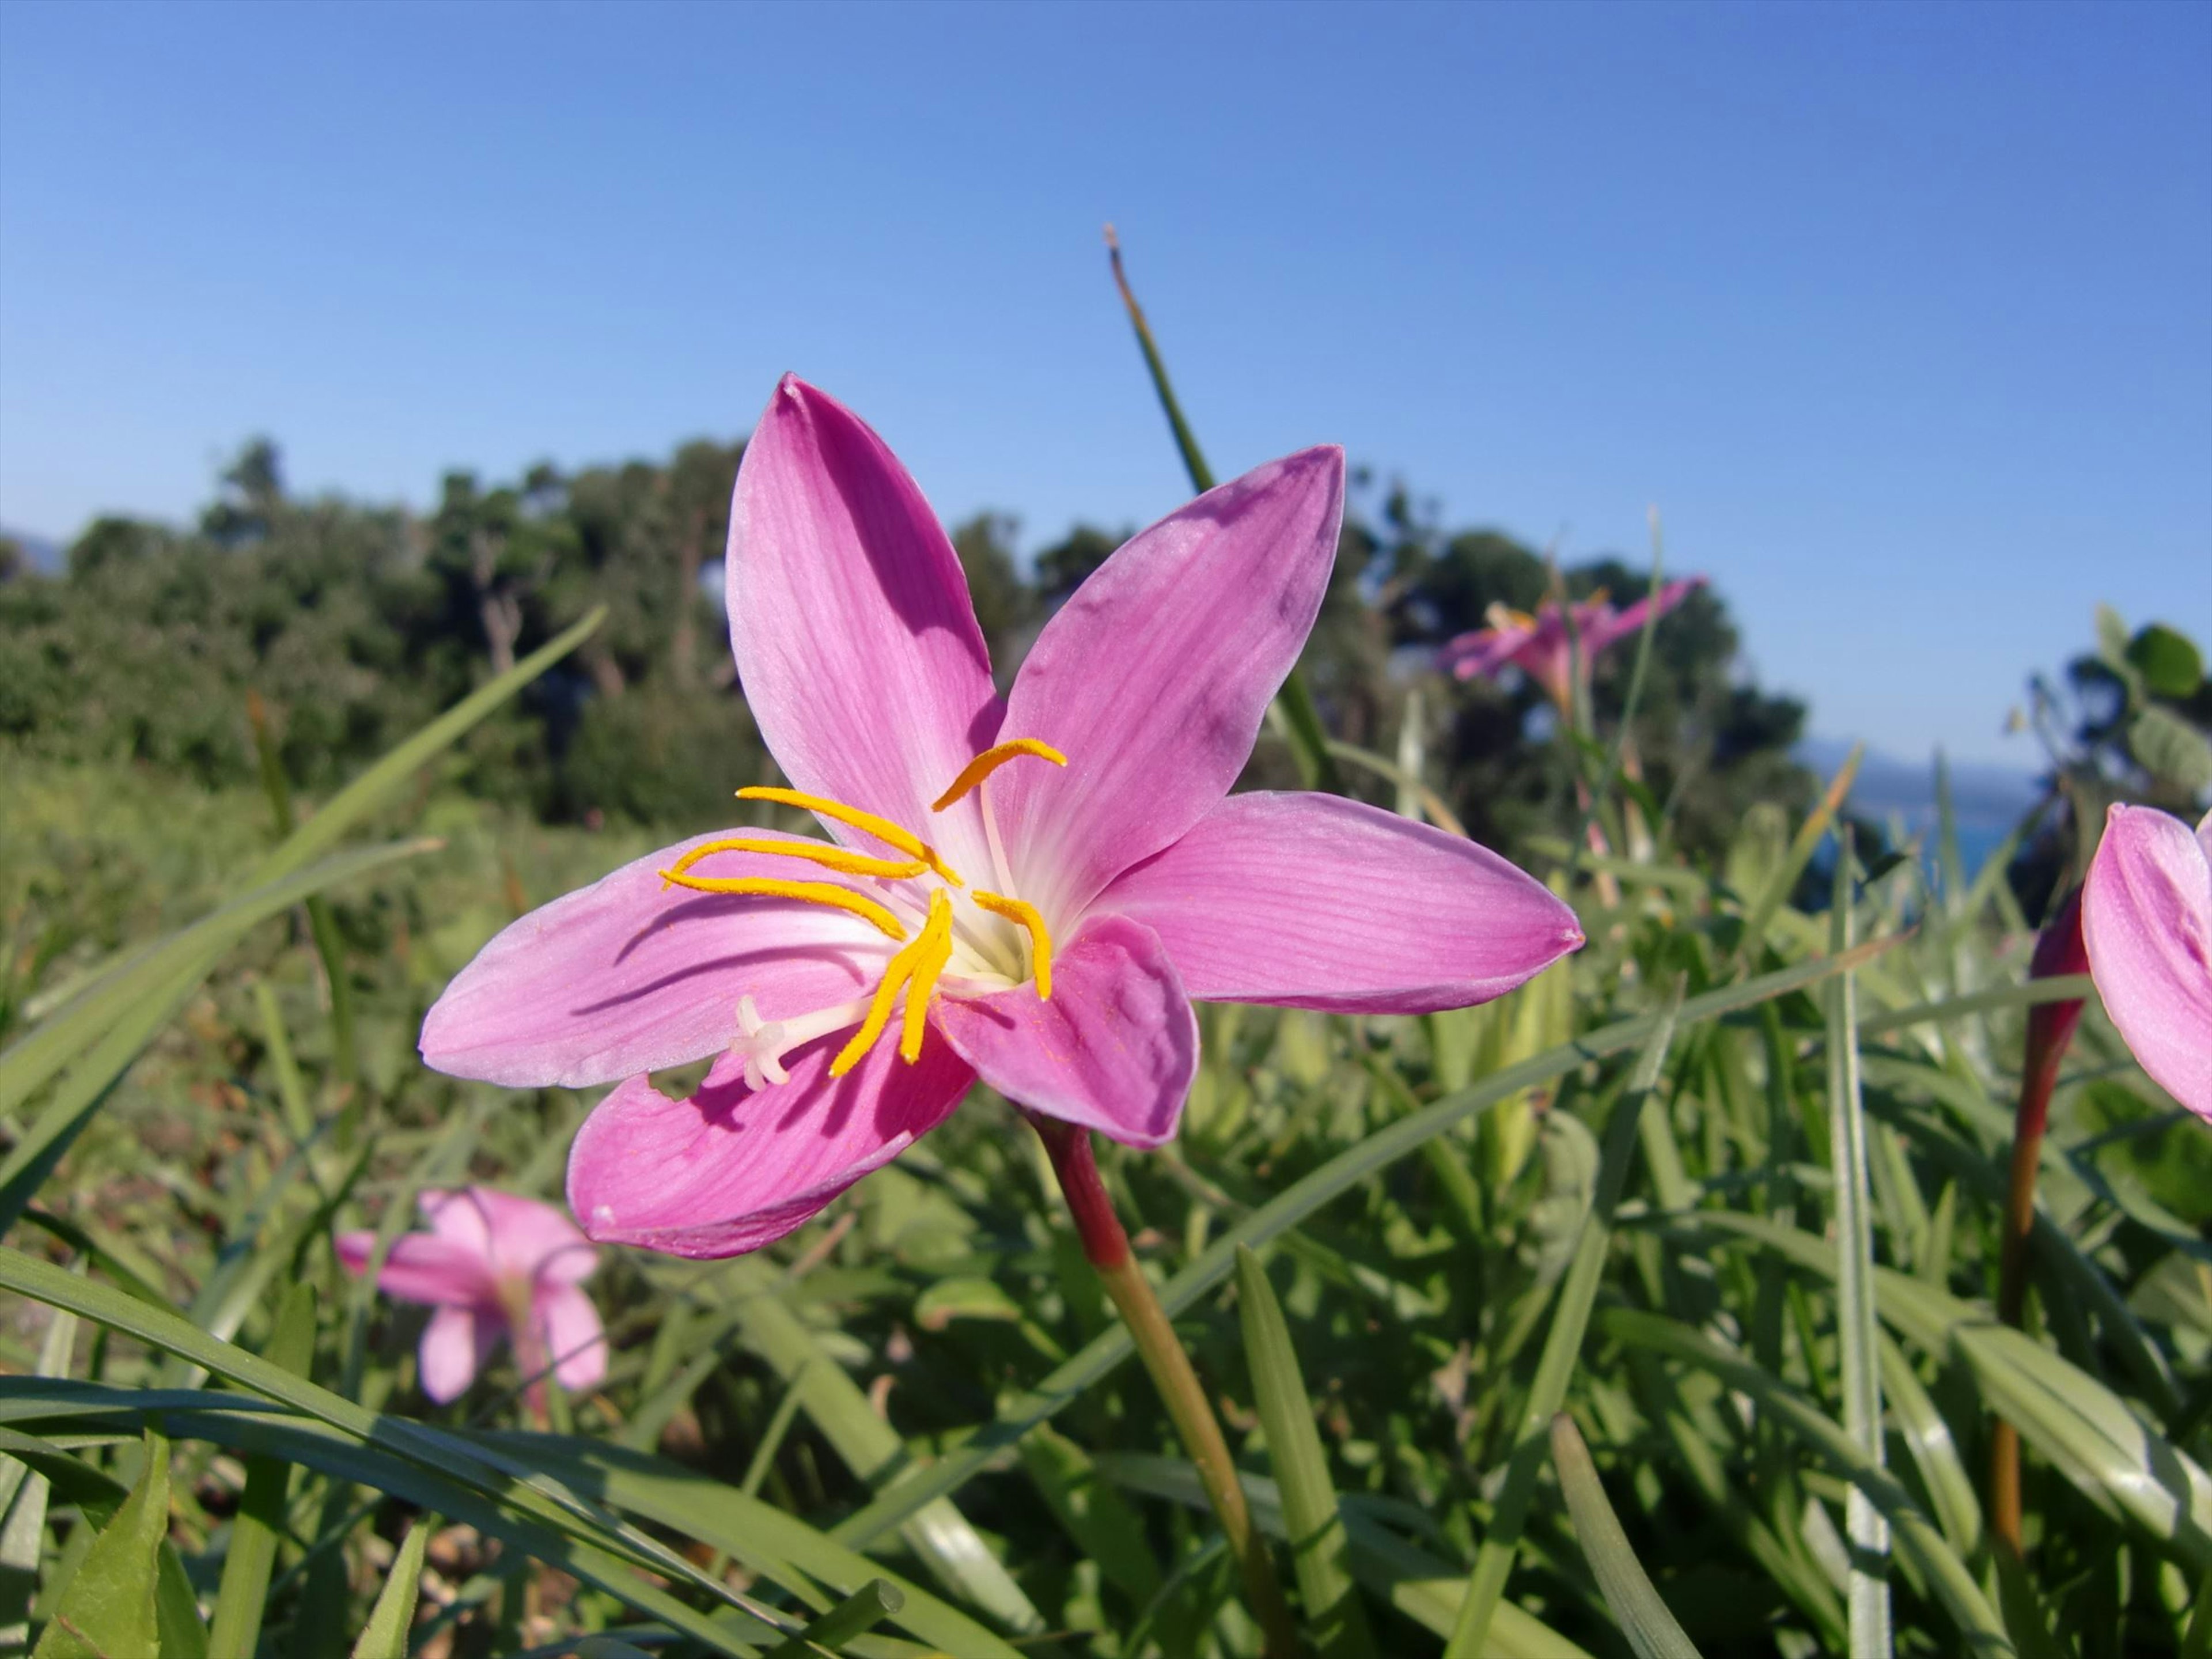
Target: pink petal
(455,1343)
(2147,917)
(1154,677)
(733,1168)
(522,1237)
(1316,901)
(1115,1049)
(457,1218)
(856,642)
(1487,651)
(1615,625)
(574,1339)
(630,975)
(422,1267)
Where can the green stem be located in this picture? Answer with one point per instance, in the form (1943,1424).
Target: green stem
(1562,1346)
(1107,1246)
(1308,737)
(322,926)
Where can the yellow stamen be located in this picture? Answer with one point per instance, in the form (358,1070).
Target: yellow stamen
(1020,910)
(1502,616)
(814,852)
(932,950)
(989,761)
(882,829)
(807,892)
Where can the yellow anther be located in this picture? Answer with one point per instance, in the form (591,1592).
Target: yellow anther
(814,852)
(919,963)
(882,829)
(1503,616)
(807,892)
(989,761)
(932,950)
(1021,911)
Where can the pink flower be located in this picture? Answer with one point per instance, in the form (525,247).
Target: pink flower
(492,1265)
(1539,646)
(2147,916)
(1028,889)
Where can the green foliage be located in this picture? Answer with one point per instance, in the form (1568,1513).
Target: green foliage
(912,1426)
(2130,722)
(354,623)
(109,1606)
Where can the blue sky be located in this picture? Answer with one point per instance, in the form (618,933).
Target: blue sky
(1901,315)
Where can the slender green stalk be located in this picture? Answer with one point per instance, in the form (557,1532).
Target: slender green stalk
(1867,1600)
(1562,1346)
(1308,737)
(322,925)
(1107,1246)
(259,1525)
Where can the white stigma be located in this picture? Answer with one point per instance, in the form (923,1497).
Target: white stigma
(762,1043)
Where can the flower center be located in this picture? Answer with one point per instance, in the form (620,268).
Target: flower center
(948,936)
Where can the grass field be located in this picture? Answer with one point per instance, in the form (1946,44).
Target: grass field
(1722,1189)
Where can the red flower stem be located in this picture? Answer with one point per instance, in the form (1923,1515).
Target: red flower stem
(2049,1029)
(1107,1246)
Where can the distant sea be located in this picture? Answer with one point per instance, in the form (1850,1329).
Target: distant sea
(1987,802)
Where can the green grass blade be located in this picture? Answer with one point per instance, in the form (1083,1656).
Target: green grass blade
(1802,845)
(110,1044)
(74,1028)
(259,1523)
(1319,1551)
(2079,1425)
(469,1464)
(1628,1591)
(109,1606)
(856,1615)
(937,1532)
(1424,1589)
(1858,1333)
(1562,1345)
(386,1636)
(1918,1537)
(725,1518)
(1293,1205)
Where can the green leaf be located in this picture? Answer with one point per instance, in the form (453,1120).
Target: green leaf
(1918,1539)
(2078,1424)
(108,1610)
(2113,649)
(114,1036)
(1562,1346)
(1426,1590)
(2167,659)
(259,1524)
(149,972)
(1318,1548)
(1858,1330)
(938,1532)
(1628,1591)
(2170,748)
(386,1635)
(856,1615)
(1288,1208)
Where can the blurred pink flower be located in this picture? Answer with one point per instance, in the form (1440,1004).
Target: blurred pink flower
(2147,918)
(492,1265)
(1029,889)
(1539,646)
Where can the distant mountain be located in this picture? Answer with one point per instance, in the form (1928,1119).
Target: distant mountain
(1981,795)
(44,556)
